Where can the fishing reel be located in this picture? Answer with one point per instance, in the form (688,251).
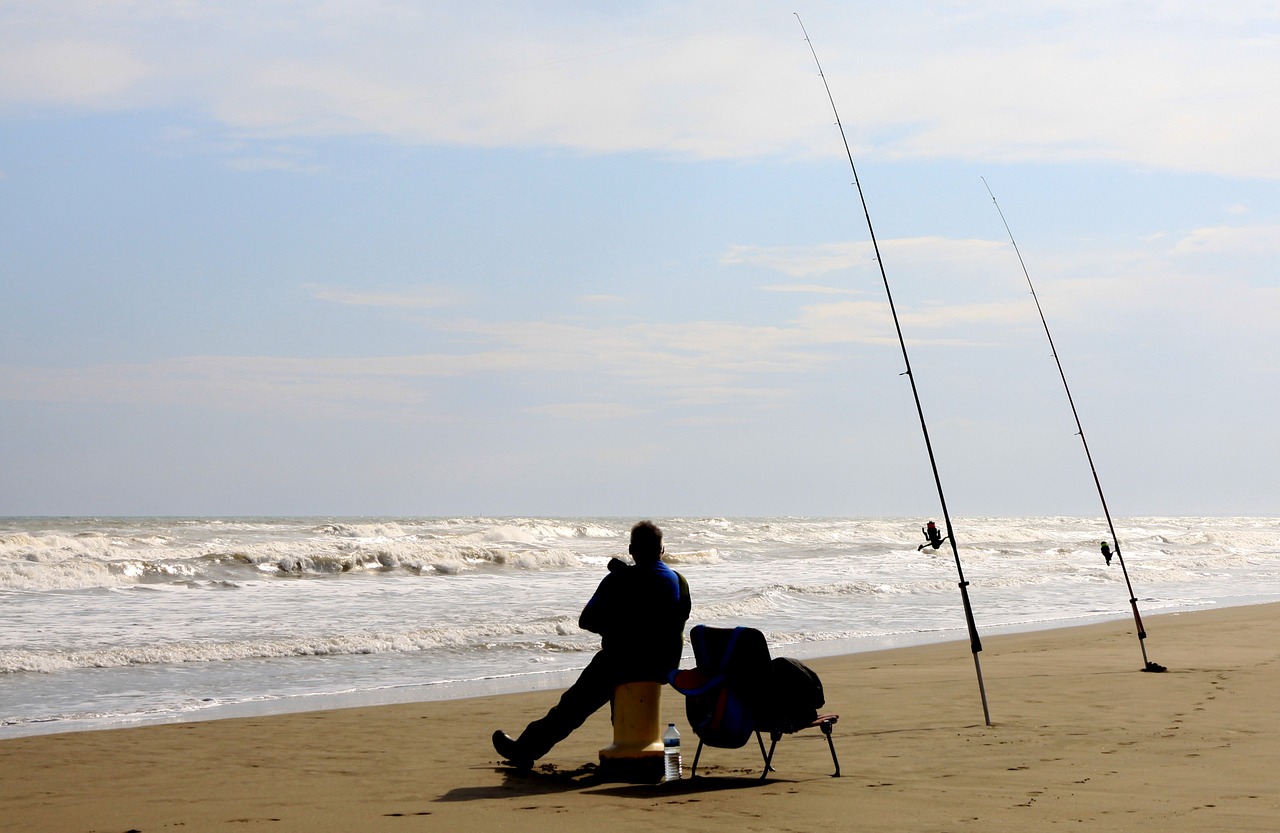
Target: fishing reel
(933,537)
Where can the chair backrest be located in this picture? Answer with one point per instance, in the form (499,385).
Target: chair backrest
(741,654)
(724,693)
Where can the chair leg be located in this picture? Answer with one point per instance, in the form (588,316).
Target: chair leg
(826,730)
(768,756)
(776,735)
(693,770)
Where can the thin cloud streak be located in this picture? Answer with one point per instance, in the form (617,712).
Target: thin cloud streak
(586,411)
(811,289)
(416,298)
(800,262)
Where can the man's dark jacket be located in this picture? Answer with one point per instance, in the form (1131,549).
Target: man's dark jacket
(640,612)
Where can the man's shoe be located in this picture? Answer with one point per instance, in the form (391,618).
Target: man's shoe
(509,748)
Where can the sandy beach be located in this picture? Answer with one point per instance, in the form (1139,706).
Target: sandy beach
(1081,739)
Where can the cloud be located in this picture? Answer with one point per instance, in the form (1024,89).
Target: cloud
(1168,86)
(681,363)
(1237,240)
(604,300)
(426,297)
(913,252)
(671,358)
(811,288)
(272,163)
(586,411)
(1158,85)
(69,71)
(644,366)
(689,363)
(801,262)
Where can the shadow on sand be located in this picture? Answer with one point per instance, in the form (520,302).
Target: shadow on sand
(549,779)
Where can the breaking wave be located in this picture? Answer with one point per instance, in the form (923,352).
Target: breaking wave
(552,635)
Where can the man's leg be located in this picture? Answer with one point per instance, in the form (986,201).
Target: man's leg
(593,688)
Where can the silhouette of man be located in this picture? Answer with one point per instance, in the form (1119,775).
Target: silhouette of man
(640,612)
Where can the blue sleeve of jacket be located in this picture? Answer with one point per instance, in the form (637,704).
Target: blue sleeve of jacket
(600,608)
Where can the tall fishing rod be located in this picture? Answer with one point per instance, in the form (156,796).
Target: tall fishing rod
(1107,552)
(975,643)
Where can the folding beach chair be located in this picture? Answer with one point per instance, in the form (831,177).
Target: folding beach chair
(736,690)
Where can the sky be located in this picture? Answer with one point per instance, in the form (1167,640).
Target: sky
(390,257)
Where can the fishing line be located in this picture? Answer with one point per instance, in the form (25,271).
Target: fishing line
(1107,552)
(975,643)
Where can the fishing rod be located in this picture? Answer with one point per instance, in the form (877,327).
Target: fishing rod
(935,536)
(1107,551)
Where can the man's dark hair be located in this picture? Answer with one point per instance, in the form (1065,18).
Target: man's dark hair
(646,542)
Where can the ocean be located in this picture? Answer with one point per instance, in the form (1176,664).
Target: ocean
(109,622)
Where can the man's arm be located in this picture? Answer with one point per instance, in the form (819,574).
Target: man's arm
(598,613)
(685,605)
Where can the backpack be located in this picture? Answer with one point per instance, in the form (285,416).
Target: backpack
(792,695)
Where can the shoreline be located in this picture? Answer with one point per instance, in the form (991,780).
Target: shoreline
(1078,737)
(529,682)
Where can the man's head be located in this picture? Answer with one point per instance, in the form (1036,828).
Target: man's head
(646,543)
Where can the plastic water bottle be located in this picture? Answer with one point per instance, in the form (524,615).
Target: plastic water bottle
(671,752)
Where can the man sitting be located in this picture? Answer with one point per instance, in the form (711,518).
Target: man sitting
(640,613)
